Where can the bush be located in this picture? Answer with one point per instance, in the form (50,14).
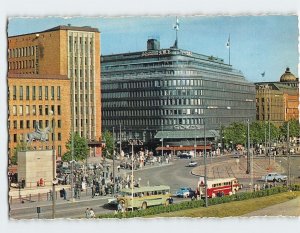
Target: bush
(200,203)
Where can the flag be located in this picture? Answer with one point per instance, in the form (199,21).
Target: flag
(228,42)
(176,26)
(263,74)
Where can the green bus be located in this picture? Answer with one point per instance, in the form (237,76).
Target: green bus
(144,196)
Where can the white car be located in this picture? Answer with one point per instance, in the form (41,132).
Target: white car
(192,164)
(274,177)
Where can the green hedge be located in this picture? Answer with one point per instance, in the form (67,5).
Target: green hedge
(200,203)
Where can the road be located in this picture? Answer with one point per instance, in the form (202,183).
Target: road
(176,174)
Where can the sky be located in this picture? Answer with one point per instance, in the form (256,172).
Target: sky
(258,44)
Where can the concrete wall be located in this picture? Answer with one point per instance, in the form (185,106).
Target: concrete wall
(34,165)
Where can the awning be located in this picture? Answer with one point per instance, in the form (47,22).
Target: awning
(185,134)
(180,148)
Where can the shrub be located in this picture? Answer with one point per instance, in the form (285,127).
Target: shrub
(200,203)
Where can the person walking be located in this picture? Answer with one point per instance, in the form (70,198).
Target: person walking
(92,213)
(87,213)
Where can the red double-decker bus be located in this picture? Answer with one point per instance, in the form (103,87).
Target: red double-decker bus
(218,187)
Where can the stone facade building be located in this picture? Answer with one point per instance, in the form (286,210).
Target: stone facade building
(55,70)
(278,101)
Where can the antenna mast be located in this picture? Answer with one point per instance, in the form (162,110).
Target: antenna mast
(176,28)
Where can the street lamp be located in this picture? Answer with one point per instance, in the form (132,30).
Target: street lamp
(132,176)
(205,167)
(54,181)
(113,154)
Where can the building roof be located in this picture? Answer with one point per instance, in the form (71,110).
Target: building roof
(187,134)
(288,76)
(62,27)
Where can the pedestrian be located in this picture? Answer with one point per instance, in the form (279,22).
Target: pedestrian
(87,213)
(92,213)
(93,190)
(119,207)
(65,194)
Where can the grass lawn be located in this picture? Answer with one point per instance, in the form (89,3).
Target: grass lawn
(235,208)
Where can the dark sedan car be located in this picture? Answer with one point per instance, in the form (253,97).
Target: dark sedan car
(184,156)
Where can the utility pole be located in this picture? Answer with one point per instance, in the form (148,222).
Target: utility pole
(288,151)
(120,141)
(248,147)
(113,154)
(54,170)
(205,167)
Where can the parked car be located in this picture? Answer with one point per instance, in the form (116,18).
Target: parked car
(274,177)
(192,164)
(184,192)
(184,156)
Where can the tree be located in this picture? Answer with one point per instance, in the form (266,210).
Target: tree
(108,149)
(21,146)
(81,148)
(259,131)
(236,133)
(293,129)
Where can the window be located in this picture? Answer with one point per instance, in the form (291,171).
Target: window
(46,110)
(21,124)
(40,92)
(40,110)
(58,110)
(58,93)
(59,151)
(15,110)
(21,110)
(14,92)
(46,92)
(59,124)
(52,109)
(15,137)
(59,136)
(21,92)
(15,125)
(52,93)
(27,110)
(40,123)
(33,93)
(28,124)
(34,110)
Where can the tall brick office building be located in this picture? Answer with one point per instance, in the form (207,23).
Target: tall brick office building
(54,71)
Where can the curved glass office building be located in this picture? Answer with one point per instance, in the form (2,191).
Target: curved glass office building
(171,94)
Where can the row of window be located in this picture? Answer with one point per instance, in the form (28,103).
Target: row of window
(178,102)
(25,64)
(26,124)
(79,72)
(48,110)
(154,112)
(178,83)
(43,93)
(22,52)
(80,43)
(20,137)
(154,122)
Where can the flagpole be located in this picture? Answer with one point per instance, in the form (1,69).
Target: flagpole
(229,48)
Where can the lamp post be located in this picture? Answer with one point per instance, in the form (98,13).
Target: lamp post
(132,175)
(248,148)
(288,151)
(205,167)
(54,167)
(113,154)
